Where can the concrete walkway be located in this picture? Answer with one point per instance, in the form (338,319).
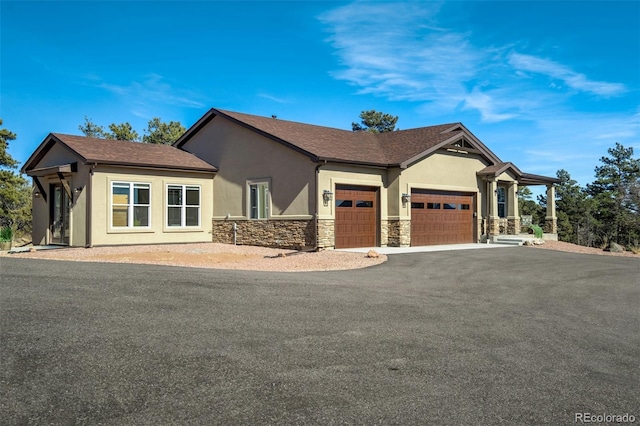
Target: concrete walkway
(422,249)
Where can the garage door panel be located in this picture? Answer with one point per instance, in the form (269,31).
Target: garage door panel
(356,217)
(441,218)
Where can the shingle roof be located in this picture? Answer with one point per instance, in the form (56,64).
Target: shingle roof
(124,153)
(326,143)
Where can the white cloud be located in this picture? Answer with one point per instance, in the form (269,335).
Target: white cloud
(399,51)
(571,78)
(274,98)
(153,90)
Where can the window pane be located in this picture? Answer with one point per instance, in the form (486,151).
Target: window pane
(501,210)
(501,195)
(253,201)
(141,216)
(120,216)
(262,188)
(193,196)
(344,203)
(120,194)
(433,206)
(417,205)
(174,195)
(141,194)
(360,203)
(464,206)
(174,216)
(192,216)
(449,206)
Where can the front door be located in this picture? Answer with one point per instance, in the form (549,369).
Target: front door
(59,224)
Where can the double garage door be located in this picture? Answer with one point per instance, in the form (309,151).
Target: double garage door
(439,217)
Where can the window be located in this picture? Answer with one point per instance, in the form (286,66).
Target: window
(433,206)
(259,200)
(344,203)
(464,206)
(502,202)
(417,205)
(130,204)
(183,206)
(449,206)
(360,203)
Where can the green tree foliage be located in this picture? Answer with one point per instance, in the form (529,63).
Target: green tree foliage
(375,122)
(123,132)
(575,211)
(526,206)
(91,130)
(614,192)
(157,131)
(163,133)
(15,191)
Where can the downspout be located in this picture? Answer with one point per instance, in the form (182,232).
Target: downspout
(89,243)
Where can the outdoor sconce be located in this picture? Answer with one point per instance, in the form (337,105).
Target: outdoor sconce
(77,190)
(406,198)
(327,196)
(36,194)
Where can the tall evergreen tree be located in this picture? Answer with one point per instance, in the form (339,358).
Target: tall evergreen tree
(15,191)
(375,122)
(613,192)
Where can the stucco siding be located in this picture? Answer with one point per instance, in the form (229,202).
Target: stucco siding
(243,156)
(331,175)
(104,233)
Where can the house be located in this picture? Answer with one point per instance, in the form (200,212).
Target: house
(91,191)
(266,181)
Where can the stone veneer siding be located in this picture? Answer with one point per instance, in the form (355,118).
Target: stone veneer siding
(399,233)
(551,225)
(494,226)
(513,226)
(293,234)
(326,233)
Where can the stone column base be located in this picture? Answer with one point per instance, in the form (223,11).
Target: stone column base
(325,234)
(551,225)
(399,233)
(494,226)
(513,225)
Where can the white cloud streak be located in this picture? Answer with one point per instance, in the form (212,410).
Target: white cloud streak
(558,71)
(153,90)
(399,51)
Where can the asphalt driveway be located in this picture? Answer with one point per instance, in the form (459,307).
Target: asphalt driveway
(505,336)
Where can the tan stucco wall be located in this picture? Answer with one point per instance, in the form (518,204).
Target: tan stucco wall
(334,174)
(241,156)
(102,233)
(444,172)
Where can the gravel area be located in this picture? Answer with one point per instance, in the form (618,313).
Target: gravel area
(574,248)
(213,255)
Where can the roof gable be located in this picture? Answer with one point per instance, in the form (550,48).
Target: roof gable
(398,148)
(121,153)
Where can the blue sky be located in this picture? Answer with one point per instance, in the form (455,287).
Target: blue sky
(546,85)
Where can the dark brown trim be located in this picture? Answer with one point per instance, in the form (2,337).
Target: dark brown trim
(43,193)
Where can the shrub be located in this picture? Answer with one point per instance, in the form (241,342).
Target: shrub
(537,230)
(6,234)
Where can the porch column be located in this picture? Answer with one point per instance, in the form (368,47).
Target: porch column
(513,215)
(551,220)
(492,195)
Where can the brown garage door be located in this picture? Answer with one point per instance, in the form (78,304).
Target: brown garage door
(356,216)
(441,218)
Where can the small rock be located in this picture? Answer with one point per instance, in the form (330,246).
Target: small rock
(32,250)
(616,248)
(373,254)
(282,255)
